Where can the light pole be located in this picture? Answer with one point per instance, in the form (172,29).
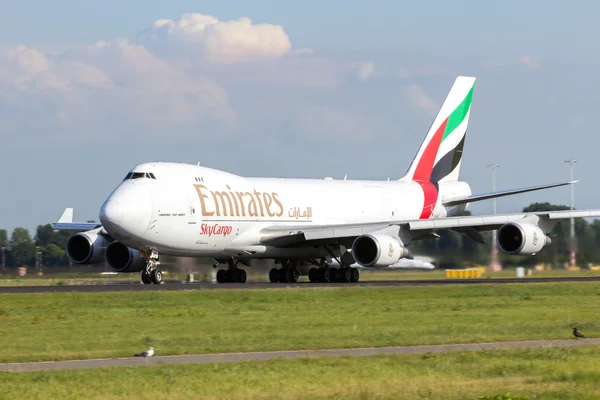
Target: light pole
(572,244)
(494,263)
(38,259)
(3,259)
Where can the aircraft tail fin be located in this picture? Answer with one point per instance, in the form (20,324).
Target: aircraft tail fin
(440,154)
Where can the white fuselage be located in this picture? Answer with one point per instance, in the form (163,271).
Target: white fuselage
(190,210)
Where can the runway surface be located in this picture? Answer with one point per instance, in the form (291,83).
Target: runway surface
(116,286)
(269,355)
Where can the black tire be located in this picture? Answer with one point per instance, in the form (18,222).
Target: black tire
(325,275)
(221,276)
(313,275)
(295,276)
(274,275)
(345,275)
(334,275)
(146,278)
(232,275)
(354,275)
(157,276)
(285,275)
(241,276)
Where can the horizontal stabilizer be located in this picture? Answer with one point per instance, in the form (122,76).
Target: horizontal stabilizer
(65,222)
(493,195)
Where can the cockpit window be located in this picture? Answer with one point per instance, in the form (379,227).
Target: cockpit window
(137,175)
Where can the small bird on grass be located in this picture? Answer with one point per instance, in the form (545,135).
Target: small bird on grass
(147,353)
(577,334)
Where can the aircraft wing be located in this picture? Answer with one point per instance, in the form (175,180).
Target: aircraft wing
(301,235)
(65,222)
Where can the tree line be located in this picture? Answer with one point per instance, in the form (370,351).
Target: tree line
(21,249)
(451,249)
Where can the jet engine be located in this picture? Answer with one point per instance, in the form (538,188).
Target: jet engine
(521,239)
(87,247)
(121,258)
(373,250)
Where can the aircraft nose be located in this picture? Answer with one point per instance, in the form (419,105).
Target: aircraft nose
(128,210)
(111,214)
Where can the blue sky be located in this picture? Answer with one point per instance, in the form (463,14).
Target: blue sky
(75,115)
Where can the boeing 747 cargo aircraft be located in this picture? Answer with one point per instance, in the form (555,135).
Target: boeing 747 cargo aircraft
(188,210)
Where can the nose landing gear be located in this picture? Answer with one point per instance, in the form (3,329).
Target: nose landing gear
(151,274)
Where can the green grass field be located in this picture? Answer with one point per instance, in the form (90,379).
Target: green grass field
(558,374)
(53,326)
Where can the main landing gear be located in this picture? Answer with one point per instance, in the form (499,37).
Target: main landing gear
(232,274)
(288,273)
(325,274)
(151,274)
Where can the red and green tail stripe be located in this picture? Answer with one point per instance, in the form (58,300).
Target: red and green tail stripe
(428,175)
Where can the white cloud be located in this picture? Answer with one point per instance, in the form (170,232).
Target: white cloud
(105,90)
(29,60)
(528,61)
(29,68)
(365,70)
(416,95)
(219,41)
(134,88)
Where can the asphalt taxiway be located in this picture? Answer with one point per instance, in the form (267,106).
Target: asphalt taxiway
(130,286)
(289,354)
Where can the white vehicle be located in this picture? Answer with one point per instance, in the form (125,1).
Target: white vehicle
(187,210)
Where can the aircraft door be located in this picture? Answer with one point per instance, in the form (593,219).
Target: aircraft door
(192,213)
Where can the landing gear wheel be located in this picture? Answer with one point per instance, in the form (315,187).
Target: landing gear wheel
(156,276)
(334,275)
(231,276)
(146,279)
(221,276)
(313,275)
(324,275)
(354,275)
(241,276)
(274,275)
(285,275)
(295,276)
(345,275)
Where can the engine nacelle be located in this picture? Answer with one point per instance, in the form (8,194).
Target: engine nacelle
(121,258)
(373,250)
(87,247)
(522,239)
